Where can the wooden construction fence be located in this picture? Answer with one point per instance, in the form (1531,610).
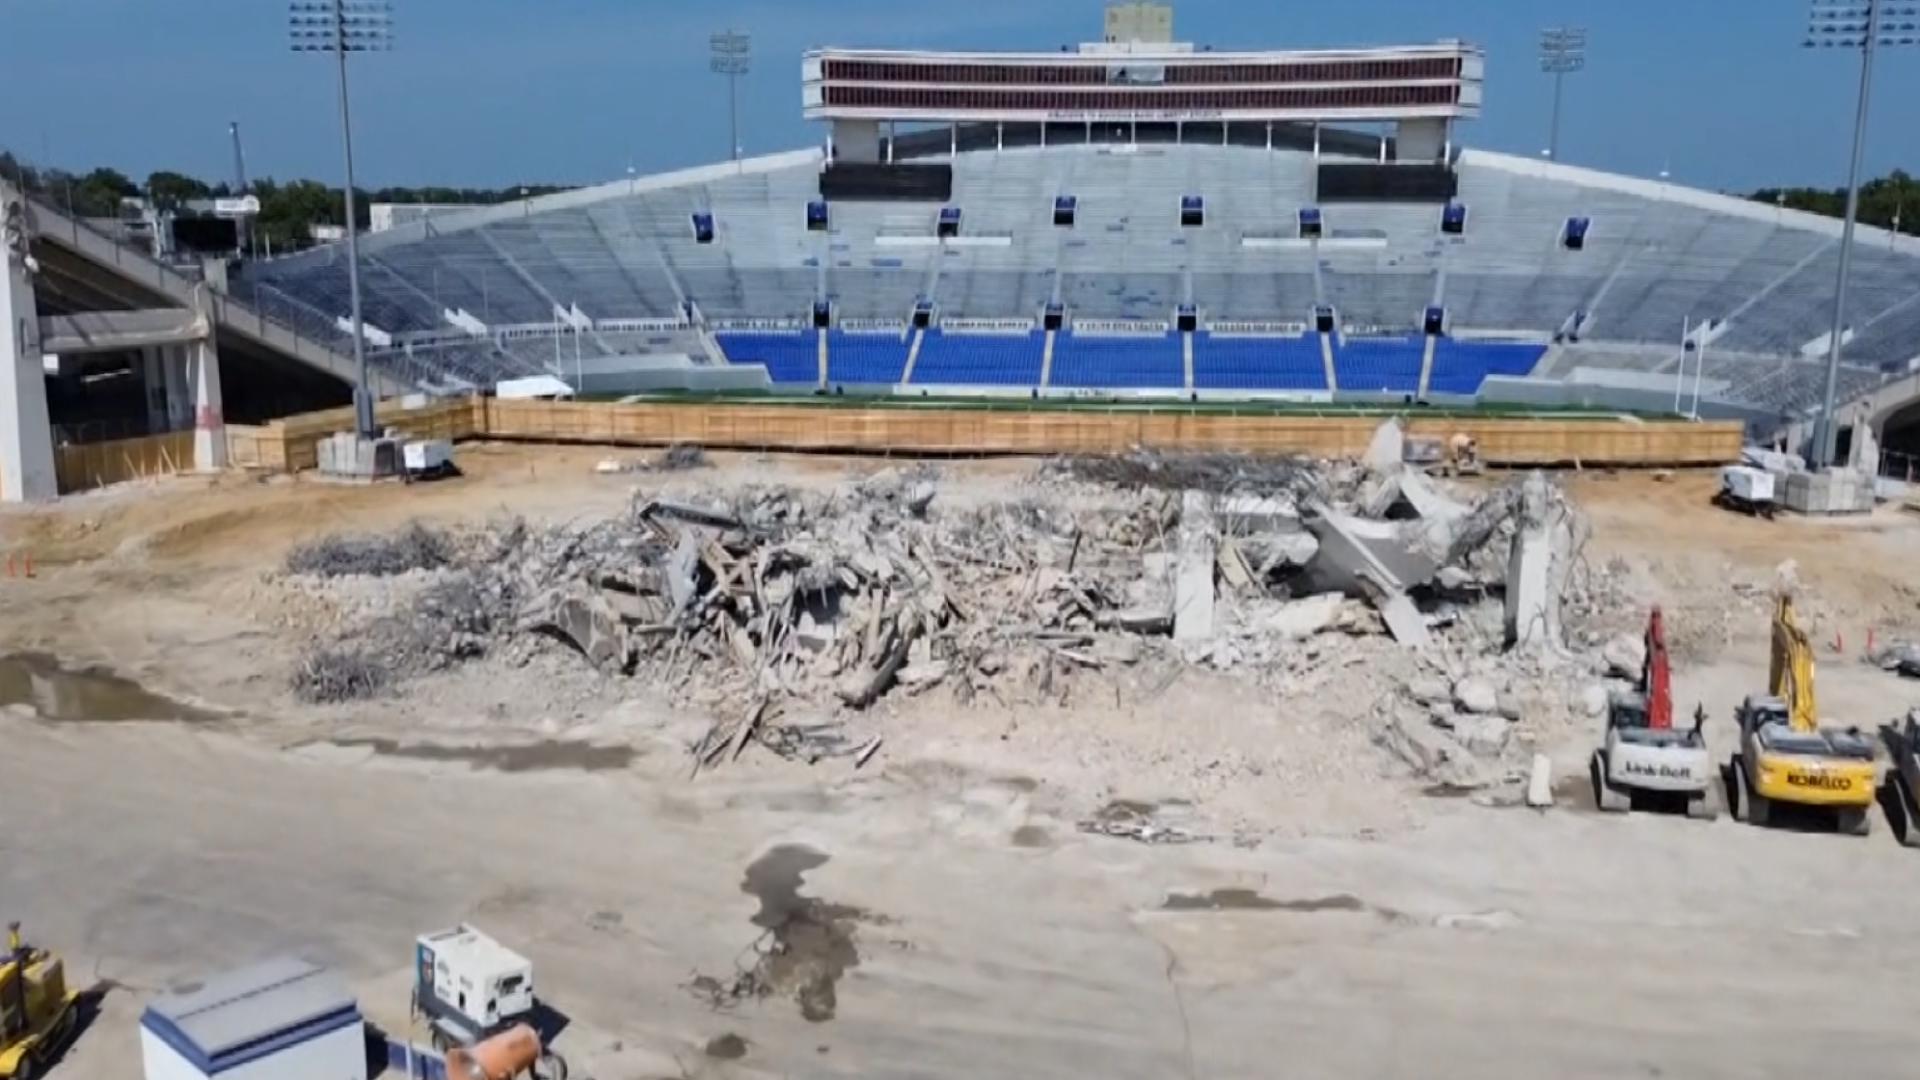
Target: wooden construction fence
(290,445)
(81,466)
(1529,440)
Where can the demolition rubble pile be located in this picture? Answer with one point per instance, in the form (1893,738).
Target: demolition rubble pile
(763,595)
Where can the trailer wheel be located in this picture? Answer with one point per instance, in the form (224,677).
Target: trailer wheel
(551,1066)
(1856,822)
(1608,798)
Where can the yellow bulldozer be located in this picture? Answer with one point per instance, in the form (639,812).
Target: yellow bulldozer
(1785,756)
(37,1011)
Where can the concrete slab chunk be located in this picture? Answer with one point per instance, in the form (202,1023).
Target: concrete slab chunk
(1387,448)
(1193,582)
(1540,782)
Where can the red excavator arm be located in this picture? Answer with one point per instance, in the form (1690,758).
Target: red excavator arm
(1656,681)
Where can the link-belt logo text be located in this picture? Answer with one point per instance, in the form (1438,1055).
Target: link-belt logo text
(1659,772)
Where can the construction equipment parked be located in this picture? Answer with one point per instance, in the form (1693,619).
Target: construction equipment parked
(1748,490)
(1644,752)
(1903,744)
(472,989)
(36,1009)
(1785,756)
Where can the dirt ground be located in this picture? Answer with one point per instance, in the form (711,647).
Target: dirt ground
(954,921)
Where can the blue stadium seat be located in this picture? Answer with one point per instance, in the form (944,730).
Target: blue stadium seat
(1118,363)
(790,357)
(969,360)
(1263,363)
(865,358)
(1459,367)
(1379,365)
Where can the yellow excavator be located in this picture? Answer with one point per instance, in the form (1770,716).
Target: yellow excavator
(1785,756)
(37,1010)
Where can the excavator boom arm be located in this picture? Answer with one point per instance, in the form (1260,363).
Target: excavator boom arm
(1790,674)
(1657,680)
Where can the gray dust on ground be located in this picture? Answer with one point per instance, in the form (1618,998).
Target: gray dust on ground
(86,694)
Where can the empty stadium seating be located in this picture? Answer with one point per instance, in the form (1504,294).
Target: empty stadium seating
(866,358)
(1653,259)
(1257,363)
(980,360)
(1459,367)
(1118,363)
(1379,365)
(789,356)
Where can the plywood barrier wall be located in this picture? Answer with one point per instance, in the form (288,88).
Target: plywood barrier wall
(81,466)
(300,435)
(252,446)
(1503,441)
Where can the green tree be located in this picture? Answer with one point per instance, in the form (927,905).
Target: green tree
(98,193)
(171,190)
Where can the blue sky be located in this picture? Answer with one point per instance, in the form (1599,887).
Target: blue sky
(494,92)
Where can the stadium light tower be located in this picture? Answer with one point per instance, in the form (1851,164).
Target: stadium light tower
(1866,25)
(732,56)
(342,27)
(1563,51)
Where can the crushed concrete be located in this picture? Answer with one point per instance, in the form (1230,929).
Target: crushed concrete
(1475,694)
(778,612)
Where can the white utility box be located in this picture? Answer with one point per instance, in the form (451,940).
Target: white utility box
(469,984)
(285,1019)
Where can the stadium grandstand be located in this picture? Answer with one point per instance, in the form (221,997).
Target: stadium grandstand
(1134,218)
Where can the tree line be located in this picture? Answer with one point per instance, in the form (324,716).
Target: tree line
(287,208)
(1892,201)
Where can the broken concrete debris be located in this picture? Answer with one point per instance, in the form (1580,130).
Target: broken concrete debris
(1476,695)
(1193,583)
(1432,752)
(1540,782)
(1388,447)
(762,602)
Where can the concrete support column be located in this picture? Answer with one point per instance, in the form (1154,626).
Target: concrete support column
(209,415)
(179,394)
(856,141)
(1422,139)
(154,390)
(26,432)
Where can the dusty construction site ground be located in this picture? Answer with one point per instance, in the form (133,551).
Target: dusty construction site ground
(959,924)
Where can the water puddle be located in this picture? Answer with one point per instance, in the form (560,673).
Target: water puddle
(1248,900)
(1032,836)
(812,939)
(728,1047)
(87,695)
(526,757)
